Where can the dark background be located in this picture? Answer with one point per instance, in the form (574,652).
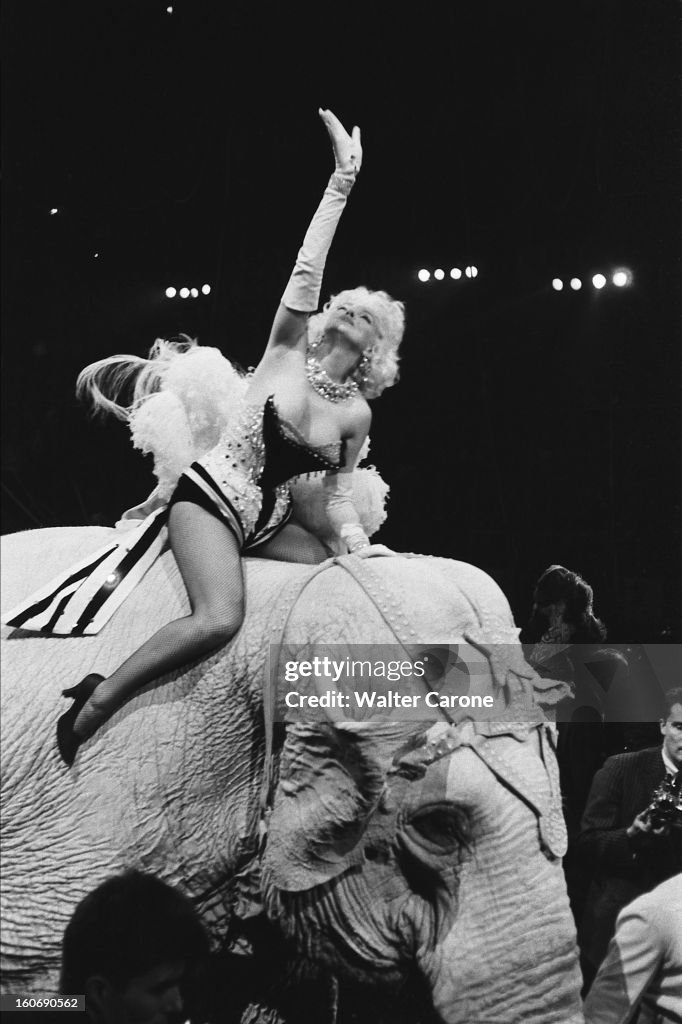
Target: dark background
(533,139)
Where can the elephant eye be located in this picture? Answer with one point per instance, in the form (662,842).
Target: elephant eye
(435,663)
(442,825)
(443,665)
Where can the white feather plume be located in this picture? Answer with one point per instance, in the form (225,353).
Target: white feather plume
(200,393)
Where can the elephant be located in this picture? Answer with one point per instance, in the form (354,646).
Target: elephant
(375,842)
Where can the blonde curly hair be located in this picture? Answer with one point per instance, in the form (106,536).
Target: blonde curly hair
(382,371)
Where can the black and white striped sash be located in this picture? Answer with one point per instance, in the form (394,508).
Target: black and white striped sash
(81,600)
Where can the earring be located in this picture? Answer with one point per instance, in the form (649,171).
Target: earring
(364,366)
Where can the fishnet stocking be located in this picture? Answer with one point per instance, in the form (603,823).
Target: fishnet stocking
(294,543)
(208,557)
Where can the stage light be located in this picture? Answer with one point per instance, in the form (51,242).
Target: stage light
(171,293)
(557,284)
(205,289)
(576,284)
(53,211)
(621,278)
(455,273)
(184,293)
(423,275)
(598,280)
(194,293)
(439,274)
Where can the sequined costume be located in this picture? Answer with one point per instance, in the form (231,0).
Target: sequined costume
(243,479)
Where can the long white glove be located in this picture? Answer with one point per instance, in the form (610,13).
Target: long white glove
(343,516)
(302,293)
(341,512)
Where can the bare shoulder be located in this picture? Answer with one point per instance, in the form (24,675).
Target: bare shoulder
(356,417)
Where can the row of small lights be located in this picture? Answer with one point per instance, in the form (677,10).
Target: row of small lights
(455,273)
(186,293)
(621,278)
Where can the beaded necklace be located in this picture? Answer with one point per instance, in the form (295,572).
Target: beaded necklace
(320,381)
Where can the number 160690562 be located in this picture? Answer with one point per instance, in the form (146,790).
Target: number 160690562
(18,1003)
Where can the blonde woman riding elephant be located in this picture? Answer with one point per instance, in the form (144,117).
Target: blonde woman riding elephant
(377,844)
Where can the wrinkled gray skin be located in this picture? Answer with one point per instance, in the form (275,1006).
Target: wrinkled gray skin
(375,860)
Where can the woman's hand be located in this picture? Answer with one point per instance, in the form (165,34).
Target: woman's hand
(375,551)
(347,148)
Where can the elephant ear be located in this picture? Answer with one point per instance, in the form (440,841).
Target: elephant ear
(329,786)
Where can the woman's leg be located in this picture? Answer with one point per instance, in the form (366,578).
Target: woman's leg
(207,554)
(293,543)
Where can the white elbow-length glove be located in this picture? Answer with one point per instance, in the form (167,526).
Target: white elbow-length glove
(344,519)
(341,512)
(302,293)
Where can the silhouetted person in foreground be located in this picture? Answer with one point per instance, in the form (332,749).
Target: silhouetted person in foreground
(641,977)
(135,948)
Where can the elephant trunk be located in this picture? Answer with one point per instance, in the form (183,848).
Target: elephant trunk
(511,955)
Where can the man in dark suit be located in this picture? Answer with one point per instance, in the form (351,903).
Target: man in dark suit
(628,853)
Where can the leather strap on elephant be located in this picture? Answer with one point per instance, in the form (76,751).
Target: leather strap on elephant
(289,597)
(389,608)
(386,601)
(480,737)
(495,637)
(551,825)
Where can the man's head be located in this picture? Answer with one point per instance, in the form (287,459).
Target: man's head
(129,947)
(671,726)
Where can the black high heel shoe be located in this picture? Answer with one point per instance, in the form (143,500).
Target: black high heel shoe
(69,741)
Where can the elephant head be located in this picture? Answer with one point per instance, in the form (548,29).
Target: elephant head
(394,847)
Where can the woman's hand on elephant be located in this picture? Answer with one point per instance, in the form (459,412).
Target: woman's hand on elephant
(347,148)
(375,551)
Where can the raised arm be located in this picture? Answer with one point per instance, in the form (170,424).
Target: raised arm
(302,293)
